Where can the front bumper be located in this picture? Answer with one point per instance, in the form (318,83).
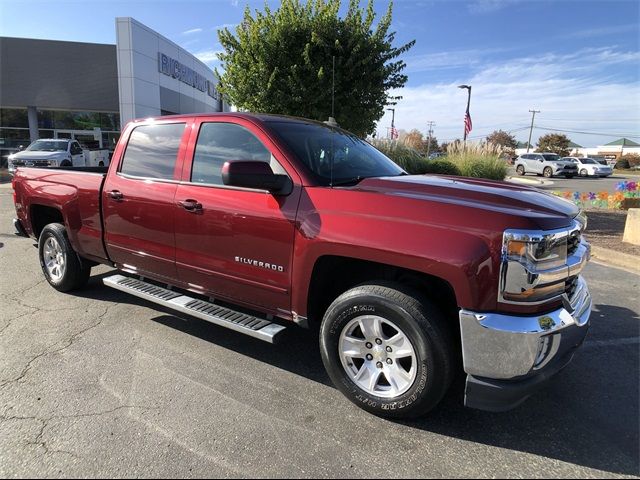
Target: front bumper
(507,357)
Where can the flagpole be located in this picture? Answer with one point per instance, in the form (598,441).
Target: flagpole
(468,87)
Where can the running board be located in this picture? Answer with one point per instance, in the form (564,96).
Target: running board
(224,317)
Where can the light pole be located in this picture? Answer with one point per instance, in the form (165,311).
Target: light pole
(393,117)
(467,116)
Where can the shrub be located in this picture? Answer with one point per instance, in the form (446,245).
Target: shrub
(473,160)
(443,167)
(479,160)
(622,164)
(631,159)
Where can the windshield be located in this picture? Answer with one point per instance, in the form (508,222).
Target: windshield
(48,146)
(588,160)
(318,146)
(551,157)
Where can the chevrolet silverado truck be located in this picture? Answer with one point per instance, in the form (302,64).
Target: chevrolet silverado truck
(262,223)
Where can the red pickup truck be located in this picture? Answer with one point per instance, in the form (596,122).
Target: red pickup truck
(259,223)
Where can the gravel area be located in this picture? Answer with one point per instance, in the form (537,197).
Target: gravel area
(606,228)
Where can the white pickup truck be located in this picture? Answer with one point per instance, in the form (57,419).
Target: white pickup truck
(57,152)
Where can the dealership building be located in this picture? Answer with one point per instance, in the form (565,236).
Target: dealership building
(86,91)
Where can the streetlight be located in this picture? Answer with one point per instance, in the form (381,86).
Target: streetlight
(393,117)
(467,116)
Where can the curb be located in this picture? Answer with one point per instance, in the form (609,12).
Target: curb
(529,181)
(626,261)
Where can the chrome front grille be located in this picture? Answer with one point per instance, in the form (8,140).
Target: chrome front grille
(570,286)
(573,242)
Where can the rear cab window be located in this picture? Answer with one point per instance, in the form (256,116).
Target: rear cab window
(152,151)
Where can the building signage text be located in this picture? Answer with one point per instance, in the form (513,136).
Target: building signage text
(179,71)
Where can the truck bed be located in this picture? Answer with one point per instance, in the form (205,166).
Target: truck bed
(43,193)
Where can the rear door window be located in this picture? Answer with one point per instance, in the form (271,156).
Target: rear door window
(152,151)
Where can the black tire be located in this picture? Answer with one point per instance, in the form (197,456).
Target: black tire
(584,173)
(547,172)
(520,170)
(75,272)
(420,321)
(65,163)
(569,176)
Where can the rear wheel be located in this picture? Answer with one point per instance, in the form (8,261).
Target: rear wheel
(547,172)
(520,170)
(61,265)
(386,350)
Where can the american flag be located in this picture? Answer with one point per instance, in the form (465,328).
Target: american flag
(394,133)
(467,123)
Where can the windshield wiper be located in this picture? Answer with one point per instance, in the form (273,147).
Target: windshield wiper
(347,181)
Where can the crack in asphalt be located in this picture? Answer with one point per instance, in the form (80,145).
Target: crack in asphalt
(39,442)
(69,342)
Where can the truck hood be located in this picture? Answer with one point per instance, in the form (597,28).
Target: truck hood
(25,155)
(545,210)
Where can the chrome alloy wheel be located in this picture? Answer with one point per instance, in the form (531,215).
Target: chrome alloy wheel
(55,260)
(378,356)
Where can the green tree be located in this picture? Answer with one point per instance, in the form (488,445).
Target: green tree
(280,61)
(554,142)
(502,138)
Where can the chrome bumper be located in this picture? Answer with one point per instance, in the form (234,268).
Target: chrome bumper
(507,347)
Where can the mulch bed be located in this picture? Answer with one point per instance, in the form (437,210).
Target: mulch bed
(605,229)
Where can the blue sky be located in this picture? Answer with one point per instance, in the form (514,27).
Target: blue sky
(577,61)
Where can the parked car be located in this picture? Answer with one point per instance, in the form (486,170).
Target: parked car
(588,167)
(436,155)
(259,223)
(54,152)
(546,163)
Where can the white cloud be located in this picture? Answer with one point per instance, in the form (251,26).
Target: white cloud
(210,57)
(489,6)
(578,91)
(192,31)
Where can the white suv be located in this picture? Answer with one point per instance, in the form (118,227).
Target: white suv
(589,167)
(545,163)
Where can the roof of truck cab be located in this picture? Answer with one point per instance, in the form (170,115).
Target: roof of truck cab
(263,117)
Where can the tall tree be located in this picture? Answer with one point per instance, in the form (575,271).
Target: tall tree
(505,139)
(280,61)
(554,142)
(415,140)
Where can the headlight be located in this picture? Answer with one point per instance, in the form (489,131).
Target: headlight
(53,162)
(536,265)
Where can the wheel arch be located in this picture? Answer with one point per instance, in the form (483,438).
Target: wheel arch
(333,275)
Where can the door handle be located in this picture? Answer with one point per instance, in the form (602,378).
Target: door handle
(116,195)
(192,206)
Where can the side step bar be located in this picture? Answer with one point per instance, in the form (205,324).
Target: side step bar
(224,317)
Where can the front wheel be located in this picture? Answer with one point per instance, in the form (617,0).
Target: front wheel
(547,172)
(520,170)
(583,172)
(60,264)
(386,350)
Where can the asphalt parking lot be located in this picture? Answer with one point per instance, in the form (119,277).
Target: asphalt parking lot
(104,384)
(577,184)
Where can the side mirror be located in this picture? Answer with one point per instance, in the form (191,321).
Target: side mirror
(258,175)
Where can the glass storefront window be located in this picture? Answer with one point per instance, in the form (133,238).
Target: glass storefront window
(14,117)
(45,133)
(110,139)
(14,137)
(70,120)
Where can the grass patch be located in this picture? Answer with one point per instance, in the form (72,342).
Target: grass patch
(470,160)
